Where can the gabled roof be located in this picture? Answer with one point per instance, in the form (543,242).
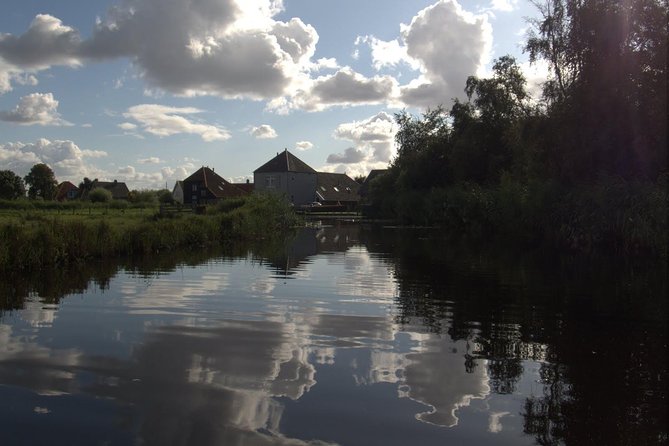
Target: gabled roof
(336,187)
(246,187)
(216,184)
(364,188)
(63,189)
(118,189)
(285,162)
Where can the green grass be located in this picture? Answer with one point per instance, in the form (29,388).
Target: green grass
(41,236)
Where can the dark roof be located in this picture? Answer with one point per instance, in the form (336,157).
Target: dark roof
(364,188)
(285,162)
(246,187)
(216,184)
(336,187)
(118,189)
(63,189)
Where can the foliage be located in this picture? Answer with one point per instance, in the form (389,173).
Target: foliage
(608,93)
(11,185)
(41,181)
(144,197)
(37,234)
(585,169)
(165,196)
(100,195)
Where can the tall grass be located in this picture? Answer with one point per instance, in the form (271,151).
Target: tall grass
(611,215)
(36,240)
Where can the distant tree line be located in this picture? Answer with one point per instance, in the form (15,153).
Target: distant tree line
(588,161)
(42,185)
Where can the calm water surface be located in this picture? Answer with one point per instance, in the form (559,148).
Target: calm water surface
(344,335)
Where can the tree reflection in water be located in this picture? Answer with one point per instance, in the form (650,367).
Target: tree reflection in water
(597,328)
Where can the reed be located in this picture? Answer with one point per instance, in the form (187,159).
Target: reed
(33,239)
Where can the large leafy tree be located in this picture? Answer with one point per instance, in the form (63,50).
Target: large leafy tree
(41,181)
(11,185)
(608,92)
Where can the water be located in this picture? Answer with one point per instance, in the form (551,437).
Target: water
(345,335)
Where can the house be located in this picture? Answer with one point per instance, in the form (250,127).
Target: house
(205,186)
(118,189)
(178,192)
(66,191)
(247,187)
(337,189)
(288,175)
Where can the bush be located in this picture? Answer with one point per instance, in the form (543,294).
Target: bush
(100,195)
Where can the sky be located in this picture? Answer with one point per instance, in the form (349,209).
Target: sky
(148,91)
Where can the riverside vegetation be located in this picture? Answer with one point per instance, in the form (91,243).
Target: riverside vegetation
(36,234)
(583,168)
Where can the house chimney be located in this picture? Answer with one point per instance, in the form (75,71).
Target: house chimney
(247,181)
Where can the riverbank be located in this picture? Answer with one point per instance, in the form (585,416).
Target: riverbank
(41,237)
(610,216)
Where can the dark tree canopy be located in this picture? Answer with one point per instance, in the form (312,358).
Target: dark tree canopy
(41,181)
(11,185)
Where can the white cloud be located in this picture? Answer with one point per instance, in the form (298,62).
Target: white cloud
(303,145)
(264,132)
(127,171)
(35,108)
(66,159)
(161,120)
(127,126)
(229,48)
(536,74)
(46,42)
(150,160)
(373,145)
(504,5)
(445,43)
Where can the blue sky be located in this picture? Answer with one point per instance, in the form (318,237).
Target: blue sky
(147,91)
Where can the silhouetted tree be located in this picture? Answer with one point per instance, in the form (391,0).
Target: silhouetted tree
(41,181)
(11,185)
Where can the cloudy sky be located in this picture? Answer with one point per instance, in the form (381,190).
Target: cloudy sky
(147,91)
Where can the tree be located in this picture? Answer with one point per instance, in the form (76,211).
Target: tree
(42,182)
(608,93)
(11,185)
(100,195)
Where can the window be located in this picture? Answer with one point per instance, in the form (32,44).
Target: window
(194,188)
(203,192)
(270,182)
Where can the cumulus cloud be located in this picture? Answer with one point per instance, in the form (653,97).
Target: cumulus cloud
(373,145)
(303,145)
(46,42)
(264,132)
(161,120)
(70,162)
(35,108)
(350,156)
(230,48)
(444,43)
(343,88)
(67,160)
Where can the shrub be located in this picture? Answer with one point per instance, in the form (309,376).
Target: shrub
(100,195)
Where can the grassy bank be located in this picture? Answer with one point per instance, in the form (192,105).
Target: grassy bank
(610,216)
(34,237)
